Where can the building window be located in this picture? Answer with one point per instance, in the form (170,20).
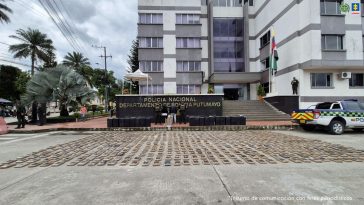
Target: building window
(228,27)
(188,89)
(188,66)
(228,49)
(356,80)
(188,43)
(265,39)
(150,18)
(229,67)
(332,42)
(265,63)
(227,3)
(251,2)
(187,18)
(228,45)
(151,89)
(150,42)
(321,80)
(151,66)
(330,7)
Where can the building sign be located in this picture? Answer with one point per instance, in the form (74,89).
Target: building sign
(344,8)
(144,106)
(355,8)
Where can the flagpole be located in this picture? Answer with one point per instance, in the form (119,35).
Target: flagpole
(270,76)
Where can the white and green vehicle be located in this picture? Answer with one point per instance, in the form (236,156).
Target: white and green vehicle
(332,116)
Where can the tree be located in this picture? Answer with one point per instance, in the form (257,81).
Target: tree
(80,64)
(133,62)
(12,82)
(21,83)
(3,9)
(87,72)
(50,62)
(34,44)
(8,75)
(62,84)
(98,80)
(133,59)
(75,60)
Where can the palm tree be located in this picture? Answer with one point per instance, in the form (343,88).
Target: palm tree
(51,61)
(33,43)
(3,9)
(76,60)
(60,83)
(80,64)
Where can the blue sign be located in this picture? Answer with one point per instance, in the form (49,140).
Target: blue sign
(355,7)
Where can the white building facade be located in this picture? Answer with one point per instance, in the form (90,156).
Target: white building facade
(187,46)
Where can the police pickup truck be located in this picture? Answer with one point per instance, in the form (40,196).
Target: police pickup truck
(332,116)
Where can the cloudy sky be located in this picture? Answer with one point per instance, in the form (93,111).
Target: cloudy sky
(110,23)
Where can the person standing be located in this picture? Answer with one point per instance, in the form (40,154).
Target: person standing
(173,113)
(41,114)
(158,114)
(182,112)
(164,114)
(2,111)
(111,110)
(295,84)
(83,112)
(20,115)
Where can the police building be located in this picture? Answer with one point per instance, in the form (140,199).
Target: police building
(192,46)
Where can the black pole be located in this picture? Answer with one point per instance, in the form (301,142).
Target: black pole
(106,82)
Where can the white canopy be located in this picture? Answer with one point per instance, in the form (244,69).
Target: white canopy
(138,75)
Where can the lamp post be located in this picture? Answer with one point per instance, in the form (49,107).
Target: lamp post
(107,85)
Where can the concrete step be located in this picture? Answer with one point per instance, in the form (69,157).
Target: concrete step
(253,110)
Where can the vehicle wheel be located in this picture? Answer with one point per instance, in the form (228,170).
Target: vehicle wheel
(336,127)
(309,128)
(357,129)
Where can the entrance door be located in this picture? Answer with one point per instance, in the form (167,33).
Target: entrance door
(231,94)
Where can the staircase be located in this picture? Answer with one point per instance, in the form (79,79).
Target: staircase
(253,110)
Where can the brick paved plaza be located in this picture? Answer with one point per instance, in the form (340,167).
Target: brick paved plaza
(188,148)
(180,167)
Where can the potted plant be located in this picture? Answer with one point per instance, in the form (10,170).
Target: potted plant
(260,92)
(211,89)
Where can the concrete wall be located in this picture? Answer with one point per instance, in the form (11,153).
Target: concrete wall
(298,26)
(169,30)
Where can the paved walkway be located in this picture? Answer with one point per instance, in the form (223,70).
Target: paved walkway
(14,119)
(102,123)
(94,123)
(187,148)
(295,169)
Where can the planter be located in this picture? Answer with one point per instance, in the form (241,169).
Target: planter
(60,120)
(261,98)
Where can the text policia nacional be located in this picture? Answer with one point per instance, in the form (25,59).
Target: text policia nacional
(151,102)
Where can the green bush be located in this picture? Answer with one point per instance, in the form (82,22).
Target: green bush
(101,109)
(260,90)
(77,115)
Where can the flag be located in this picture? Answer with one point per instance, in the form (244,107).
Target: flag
(273,57)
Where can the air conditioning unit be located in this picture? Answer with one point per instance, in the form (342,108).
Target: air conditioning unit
(345,75)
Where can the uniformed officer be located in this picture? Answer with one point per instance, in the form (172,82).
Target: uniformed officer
(20,114)
(294,84)
(158,114)
(182,112)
